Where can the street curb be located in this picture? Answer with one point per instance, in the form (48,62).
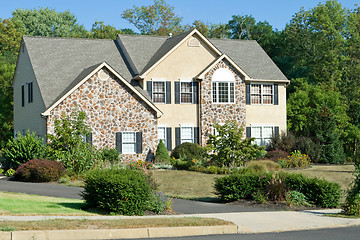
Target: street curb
(118,233)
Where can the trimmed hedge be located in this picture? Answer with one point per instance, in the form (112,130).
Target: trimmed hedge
(188,151)
(121,191)
(320,192)
(39,170)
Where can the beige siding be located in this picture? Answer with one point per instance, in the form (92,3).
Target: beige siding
(184,63)
(29,116)
(274,115)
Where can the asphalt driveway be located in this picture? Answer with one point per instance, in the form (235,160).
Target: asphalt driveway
(180,206)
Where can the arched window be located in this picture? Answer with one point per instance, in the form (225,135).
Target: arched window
(223,86)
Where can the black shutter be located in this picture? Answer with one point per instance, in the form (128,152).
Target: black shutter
(119,142)
(177,92)
(196,135)
(22,95)
(89,138)
(276,94)
(248,95)
(168,92)
(168,139)
(195,92)
(149,88)
(139,142)
(248,132)
(177,136)
(276,131)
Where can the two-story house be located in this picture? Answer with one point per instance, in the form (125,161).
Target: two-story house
(138,89)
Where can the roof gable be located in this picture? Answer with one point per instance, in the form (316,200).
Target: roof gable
(91,71)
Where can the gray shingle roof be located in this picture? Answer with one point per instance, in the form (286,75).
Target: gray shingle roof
(250,57)
(59,62)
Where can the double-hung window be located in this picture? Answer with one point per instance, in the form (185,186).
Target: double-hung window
(128,142)
(162,134)
(187,134)
(262,94)
(262,134)
(158,91)
(186,91)
(223,86)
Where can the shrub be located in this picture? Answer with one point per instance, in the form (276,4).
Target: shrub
(274,155)
(182,164)
(284,141)
(162,155)
(296,159)
(245,186)
(39,170)
(10,172)
(241,186)
(110,154)
(320,192)
(121,191)
(1,171)
(352,201)
(295,198)
(160,203)
(228,148)
(188,151)
(276,188)
(22,149)
(262,166)
(306,145)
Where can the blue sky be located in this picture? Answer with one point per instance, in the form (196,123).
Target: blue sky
(277,12)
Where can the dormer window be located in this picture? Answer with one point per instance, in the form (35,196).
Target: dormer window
(223,86)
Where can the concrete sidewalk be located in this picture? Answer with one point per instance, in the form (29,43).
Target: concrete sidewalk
(245,222)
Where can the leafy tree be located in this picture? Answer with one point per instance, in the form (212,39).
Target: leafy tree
(101,31)
(229,148)
(156,19)
(219,31)
(48,22)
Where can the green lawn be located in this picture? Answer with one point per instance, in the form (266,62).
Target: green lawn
(17,203)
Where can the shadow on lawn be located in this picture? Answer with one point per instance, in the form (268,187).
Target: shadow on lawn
(82,207)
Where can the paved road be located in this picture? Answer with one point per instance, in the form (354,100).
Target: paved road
(350,233)
(180,206)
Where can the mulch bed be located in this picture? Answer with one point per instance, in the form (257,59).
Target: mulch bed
(272,205)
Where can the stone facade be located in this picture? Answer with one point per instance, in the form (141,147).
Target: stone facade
(220,113)
(110,107)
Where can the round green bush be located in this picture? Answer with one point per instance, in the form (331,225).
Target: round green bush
(39,170)
(121,191)
(188,150)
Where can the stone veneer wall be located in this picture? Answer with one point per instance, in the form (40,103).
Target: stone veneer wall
(220,113)
(110,107)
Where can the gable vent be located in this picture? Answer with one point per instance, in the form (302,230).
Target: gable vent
(193,42)
(103,75)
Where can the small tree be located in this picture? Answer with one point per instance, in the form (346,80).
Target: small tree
(162,155)
(229,148)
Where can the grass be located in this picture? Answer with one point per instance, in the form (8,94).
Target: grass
(26,204)
(186,184)
(61,224)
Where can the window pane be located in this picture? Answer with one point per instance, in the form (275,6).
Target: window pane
(255,89)
(214,92)
(128,148)
(258,141)
(159,92)
(162,134)
(223,92)
(186,87)
(267,89)
(232,97)
(255,99)
(186,134)
(267,99)
(267,132)
(256,132)
(128,137)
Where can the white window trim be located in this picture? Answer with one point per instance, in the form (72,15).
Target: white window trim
(152,86)
(217,92)
(122,142)
(262,127)
(186,126)
(262,94)
(192,90)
